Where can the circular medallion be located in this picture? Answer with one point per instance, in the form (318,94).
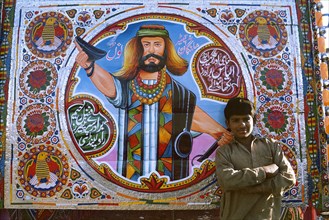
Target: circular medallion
(124,162)
(276,120)
(48,35)
(273,78)
(36,124)
(38,79)
(43,171)
(263,34)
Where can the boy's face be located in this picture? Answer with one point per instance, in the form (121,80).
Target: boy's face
(241,125)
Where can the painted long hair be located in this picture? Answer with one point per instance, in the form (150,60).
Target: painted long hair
(134,51)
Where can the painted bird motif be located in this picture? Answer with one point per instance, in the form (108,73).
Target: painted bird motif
(262,34)
(44,169)
(49,33)
(263,31)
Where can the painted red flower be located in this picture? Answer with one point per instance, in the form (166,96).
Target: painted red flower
(276,119)
(37,79)
(274,78)
(35,123)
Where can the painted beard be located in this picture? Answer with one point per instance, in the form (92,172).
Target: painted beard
(152,67)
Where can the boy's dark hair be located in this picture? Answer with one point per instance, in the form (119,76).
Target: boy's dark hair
(239,106)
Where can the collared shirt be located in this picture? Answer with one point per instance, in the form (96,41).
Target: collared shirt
(247,193)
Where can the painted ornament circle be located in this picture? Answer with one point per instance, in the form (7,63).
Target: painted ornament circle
(48,35)
(263,34)
(38,79)
(36,123)
(273,78)
(276,120)
(43,171)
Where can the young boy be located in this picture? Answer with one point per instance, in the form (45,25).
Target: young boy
(252,172)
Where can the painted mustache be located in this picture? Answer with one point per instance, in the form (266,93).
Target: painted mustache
(160,58)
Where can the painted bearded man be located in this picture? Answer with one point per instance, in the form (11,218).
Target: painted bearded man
(156,113)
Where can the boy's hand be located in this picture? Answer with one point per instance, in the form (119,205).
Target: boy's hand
(226,138)
(271,170)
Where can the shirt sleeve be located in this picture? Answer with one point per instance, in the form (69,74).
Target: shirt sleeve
(232,179)
(118,99)
(286,176)
(282,181)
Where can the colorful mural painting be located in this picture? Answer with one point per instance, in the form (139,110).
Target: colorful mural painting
(118,138)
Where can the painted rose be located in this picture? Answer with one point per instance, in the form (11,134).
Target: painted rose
(274,78)
(276,119)
(35,123)
(37,78)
